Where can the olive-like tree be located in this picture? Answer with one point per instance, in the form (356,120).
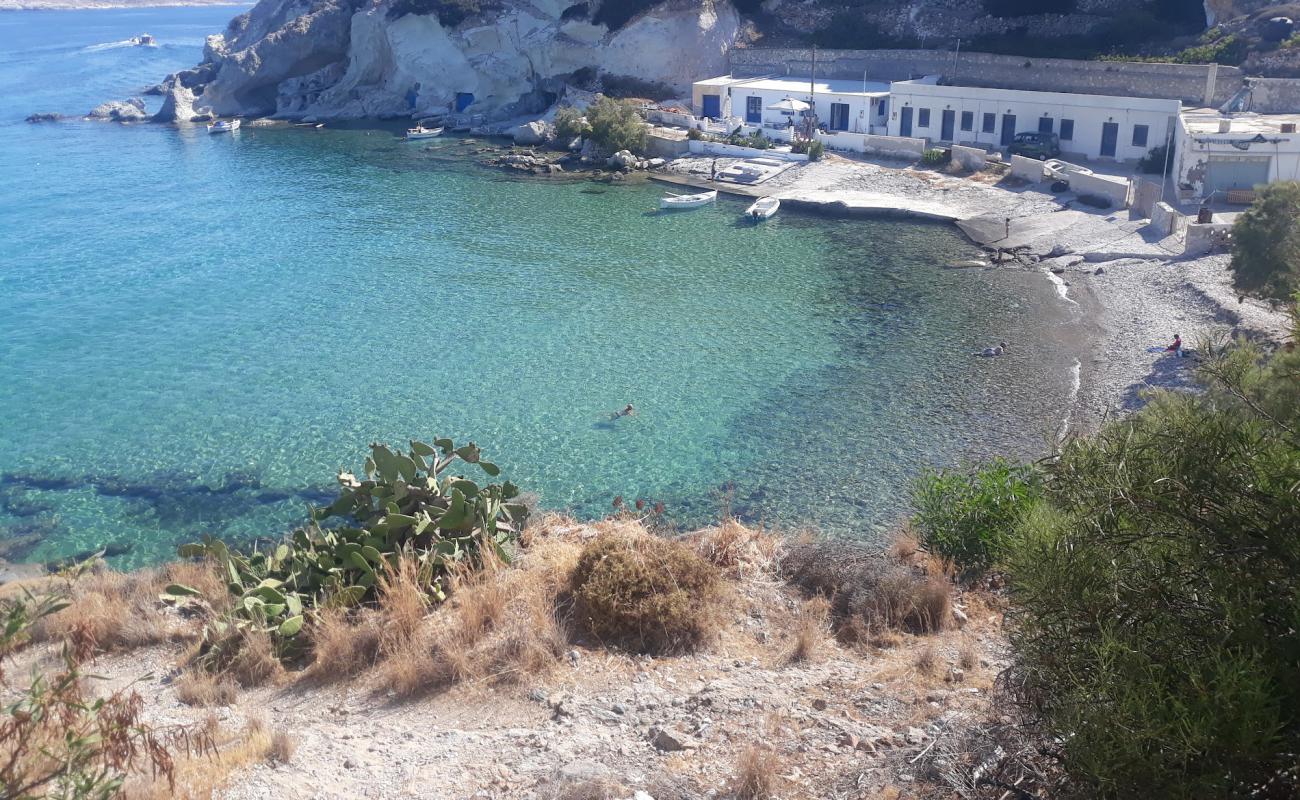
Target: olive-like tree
(1266,243)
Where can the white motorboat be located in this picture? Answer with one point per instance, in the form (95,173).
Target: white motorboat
(684,201)
(763,208)
(423,133)
(224,126)
(143,40)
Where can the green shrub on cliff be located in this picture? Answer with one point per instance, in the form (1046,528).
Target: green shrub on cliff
(616,126)
(1156,592)
(968,516)
(1266,242)
(570,124)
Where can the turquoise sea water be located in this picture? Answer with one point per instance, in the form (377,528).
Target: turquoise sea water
(197,331)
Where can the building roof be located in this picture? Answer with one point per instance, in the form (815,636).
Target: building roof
(796,86)
(1206,120)
(943,86)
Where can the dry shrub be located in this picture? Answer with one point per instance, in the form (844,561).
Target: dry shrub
(343,644)
(810,627)
(868,591)
(244,655)
(113,611)
(199,688)
(403,590)
(203,575)
(736,550)
(968,657)
(201,776)
(600,789)
(927,661)
(755,776)
(645,593)
(905,546)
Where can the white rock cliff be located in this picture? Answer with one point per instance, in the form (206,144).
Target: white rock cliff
(337,59)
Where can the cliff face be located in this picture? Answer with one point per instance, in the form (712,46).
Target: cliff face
(335,59)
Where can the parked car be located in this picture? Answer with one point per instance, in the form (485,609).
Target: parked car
(1035,144)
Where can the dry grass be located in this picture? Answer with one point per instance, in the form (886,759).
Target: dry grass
(589,790)
(756,774)
(201,776)
(500,624)
(403,594)
(926,661)
(869,591)
(968,657)
(343,644)
(737,551)
(199,688)
(810,628)
(246,656)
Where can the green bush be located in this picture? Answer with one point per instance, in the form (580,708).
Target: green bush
(813,147)
(935,155)
(1153,163)
(1266,242)
(1156,592)
(755,140)
(969,516)
(570,124)
(1231,49)
(616,125)
(648,594)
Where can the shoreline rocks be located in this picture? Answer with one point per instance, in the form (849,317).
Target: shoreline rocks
(130,110)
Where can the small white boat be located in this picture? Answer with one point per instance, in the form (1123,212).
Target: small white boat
(423,133)
(224,126)
(683,201)
(143,40)
(763,208)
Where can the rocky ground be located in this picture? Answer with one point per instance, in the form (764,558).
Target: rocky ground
(866,721)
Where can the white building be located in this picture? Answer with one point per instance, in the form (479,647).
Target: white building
(840,105)
(1218,152)
(1092,126)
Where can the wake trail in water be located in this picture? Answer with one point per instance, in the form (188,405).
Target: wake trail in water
(97,48)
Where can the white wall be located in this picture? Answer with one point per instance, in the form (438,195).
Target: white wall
(1190,156)
(863,110)
(702,147)
(1088,113)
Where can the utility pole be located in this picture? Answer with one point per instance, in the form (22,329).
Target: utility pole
(812,97)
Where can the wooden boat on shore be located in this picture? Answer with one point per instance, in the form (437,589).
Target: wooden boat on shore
(679,202)
(224,126)
(763,208)
(423,133)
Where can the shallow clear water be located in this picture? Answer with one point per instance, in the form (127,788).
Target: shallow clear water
(198,330)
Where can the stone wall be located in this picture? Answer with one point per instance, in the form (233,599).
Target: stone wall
(1192,83)
(1203,237)
(1275,95)
(1106,186)
(1145,196)
(1163,219)
(971,158)
(894,147)
(1030,169)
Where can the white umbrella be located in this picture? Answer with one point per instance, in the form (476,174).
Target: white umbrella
(789,106)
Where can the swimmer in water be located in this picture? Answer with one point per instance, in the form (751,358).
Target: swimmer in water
(991,352)
(626,412)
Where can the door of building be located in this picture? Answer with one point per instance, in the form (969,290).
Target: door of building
(1008,129)
(1109,138)
(1235,172)
(947,125)
(839,117)
(905,121)
(712,106)
(754,110)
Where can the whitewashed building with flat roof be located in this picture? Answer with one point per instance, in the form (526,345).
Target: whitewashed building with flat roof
(1091,126)
(840,105)
(1220,152)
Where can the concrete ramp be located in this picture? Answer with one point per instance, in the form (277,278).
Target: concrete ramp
(990,230)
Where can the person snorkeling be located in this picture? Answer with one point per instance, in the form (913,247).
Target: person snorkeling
(991,352)
(627,411)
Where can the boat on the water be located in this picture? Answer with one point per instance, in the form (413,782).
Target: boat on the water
(224,126)
(684,201)
(423,133)
(763,208)
(144,40)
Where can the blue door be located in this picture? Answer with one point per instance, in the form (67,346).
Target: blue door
(754,110)
(1109,138)
(905,121)
(463,101)
(712,106)
(1008,129)
(946,126)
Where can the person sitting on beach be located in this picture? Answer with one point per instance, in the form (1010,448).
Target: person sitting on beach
(626,412)
(1177,347)
(990,352)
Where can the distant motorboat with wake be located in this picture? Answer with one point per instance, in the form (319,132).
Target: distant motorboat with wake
(224,126)
(679,202)
(763,208)
(423,133)
(143,40)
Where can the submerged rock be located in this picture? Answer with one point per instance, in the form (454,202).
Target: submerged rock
(131,110)
(44,117)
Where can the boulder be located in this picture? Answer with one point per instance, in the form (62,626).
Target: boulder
(670,740)
(529,133)
(44,117)
(178,103)
(624,159)
(131,110)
